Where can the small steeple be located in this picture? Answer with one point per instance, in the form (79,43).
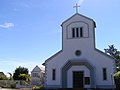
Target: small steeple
(76,6)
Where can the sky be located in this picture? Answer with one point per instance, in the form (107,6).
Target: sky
(30,30)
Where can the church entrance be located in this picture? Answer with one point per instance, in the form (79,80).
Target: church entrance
(78,74)
(78,79)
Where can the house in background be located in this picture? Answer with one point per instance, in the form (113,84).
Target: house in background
(79,64)
(37,76)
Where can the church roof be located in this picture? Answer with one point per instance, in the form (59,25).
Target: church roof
(52,57)
(81,16)
(103,53)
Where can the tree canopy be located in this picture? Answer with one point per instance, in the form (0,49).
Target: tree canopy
(112,51)
(117,80)
(18,72)
(25,77)
(2,76)
(11,77)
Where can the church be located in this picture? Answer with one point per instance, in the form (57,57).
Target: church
(79,64)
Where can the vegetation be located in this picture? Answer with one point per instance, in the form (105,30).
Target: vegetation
(13,85)
(112,51)
(37,88)
(3,77)
(11,77)
(7,84)
(21,73)
(25,77)
(117,80)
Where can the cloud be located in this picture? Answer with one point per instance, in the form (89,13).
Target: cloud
(7,25)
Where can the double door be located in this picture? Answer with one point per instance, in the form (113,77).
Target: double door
(78,79)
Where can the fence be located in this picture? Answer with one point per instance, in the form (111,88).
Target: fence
(15,83)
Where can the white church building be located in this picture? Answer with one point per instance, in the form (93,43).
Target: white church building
(79,64)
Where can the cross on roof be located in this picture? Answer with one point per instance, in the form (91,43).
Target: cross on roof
(76,6)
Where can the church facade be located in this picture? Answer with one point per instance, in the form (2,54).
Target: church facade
(79,64)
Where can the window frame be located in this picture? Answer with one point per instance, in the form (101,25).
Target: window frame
(104,71)
(81,31)
(53,74)
(73,32)
(87,80)
(77,32)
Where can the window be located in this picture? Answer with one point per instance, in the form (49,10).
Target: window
(73,32)
(77,52)
(87,80)
(77,32)
(35,74)
(104,74)
(53,74)
(81,32)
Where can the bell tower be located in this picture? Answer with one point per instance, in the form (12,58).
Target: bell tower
(78,32)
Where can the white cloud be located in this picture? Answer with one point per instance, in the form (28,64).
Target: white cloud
(7,25)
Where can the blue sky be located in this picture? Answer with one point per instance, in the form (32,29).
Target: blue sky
(30,30)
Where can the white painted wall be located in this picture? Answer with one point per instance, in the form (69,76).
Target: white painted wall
(88,27)
(77,24)
(95,58)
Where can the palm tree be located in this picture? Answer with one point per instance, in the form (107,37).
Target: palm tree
(25,77)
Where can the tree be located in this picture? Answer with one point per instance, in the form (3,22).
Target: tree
(18,72)
(117,80)
(25,77)
(2,76)
(112,51)
(11,77)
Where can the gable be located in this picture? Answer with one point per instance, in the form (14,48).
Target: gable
(76,17)
(36,69)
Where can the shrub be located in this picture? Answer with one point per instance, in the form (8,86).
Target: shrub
(117,80)
(37,87)
(13,85)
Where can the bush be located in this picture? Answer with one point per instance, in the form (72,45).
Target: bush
(3,77)
(13,85)
(117,80)
(37,87)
